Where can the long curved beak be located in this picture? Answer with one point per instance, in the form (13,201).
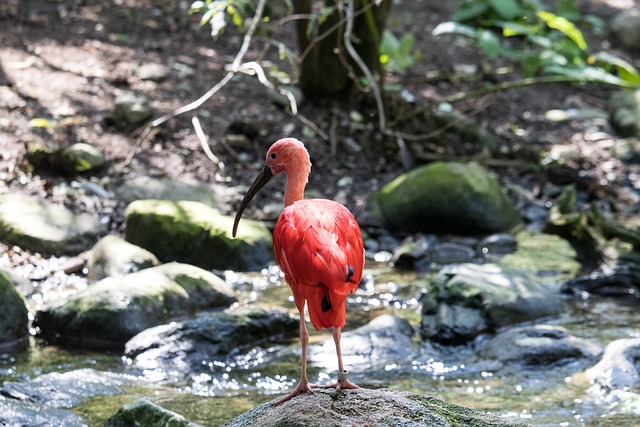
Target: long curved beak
(263,177)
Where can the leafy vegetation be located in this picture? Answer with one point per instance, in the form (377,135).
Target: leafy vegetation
(540,41)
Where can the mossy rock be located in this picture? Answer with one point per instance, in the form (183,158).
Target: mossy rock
(14,320)
(445,198)
(108,313)
(197,234)
(373,408)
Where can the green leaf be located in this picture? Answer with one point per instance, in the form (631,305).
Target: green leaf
(490,43)
(40,122)
(590,74)
(624,70)
(470,11)
(506,9)
(564,26)
(451,27)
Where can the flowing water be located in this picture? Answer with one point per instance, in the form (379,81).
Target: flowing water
(223,389)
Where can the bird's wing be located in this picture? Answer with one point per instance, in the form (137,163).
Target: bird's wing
(319,247)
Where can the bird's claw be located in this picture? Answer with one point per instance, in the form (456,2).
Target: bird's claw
(300,388)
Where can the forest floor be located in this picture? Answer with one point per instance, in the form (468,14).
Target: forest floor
(70,59)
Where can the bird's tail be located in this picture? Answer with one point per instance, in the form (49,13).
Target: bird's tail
(326,308)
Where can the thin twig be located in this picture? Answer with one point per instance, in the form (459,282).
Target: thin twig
(207,150)
(235,67)
(348,32)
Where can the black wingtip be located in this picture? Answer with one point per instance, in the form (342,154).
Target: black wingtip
(349,273)
(325,304)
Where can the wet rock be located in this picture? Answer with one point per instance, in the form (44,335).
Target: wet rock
(77,158)
(109,312)
(467,300)
(625,25)
(209,335)
(498,244)
(619,368)
(452,252)
(131,109)
(385,340)
(538,346)
(624,112)
(40,226)
(194,233)
(146,187)
(546,257)
(445,198)
(66,389)
(14,320)
(22,413)
(144,413)
(372,408)
(114,256)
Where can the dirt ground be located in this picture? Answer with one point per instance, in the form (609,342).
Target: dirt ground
(70,59)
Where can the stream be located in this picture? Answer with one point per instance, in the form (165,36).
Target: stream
(223,389)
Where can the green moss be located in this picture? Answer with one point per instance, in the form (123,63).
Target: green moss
(445,197)
(13,311)
(194,233)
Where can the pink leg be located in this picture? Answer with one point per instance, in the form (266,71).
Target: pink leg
(343,382)
(303,385)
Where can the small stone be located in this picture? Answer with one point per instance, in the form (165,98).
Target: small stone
(625,25)
(152,72)
(77,158)
(131,109)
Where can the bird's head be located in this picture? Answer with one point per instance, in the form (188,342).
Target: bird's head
(286,155)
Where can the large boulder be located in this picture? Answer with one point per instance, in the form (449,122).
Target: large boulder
(109,312)
(40,226)
(619,368)
(187,344)
(468,299)
(114,256)
(197,234)
(538,346)
(14,316)
(363,407)
(445,198)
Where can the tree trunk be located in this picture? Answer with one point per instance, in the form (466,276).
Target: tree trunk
(327,68)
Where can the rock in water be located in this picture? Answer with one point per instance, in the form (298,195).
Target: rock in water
(362,407)
(197,234)
(109,312)
(468,299)
(14,318)
(445,198)
(114,256)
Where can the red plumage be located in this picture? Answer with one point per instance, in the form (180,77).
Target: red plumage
(319,248)
(318,245)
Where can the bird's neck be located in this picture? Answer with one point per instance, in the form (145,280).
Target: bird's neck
(296,182)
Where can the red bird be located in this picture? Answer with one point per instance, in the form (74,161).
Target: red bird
(318,245)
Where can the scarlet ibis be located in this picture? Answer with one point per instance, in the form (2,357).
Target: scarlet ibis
(318,246)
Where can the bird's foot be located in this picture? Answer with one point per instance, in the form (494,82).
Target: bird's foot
(343,383)
(302,387)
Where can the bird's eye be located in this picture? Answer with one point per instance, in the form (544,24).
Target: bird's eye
(273,155)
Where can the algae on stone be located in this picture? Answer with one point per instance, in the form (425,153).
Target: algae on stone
(445,198)
(194,233)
